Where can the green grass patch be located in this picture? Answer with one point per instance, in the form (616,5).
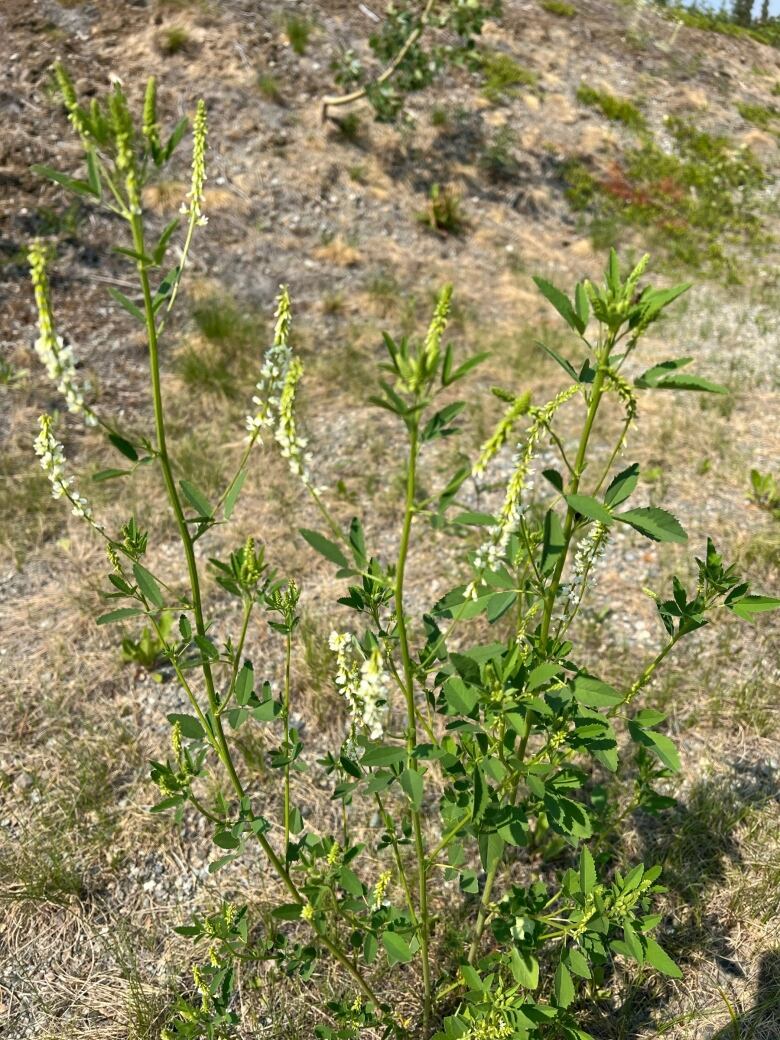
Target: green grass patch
(216,363)
(698,203)
(443,212)
(559,8)
(720,22)
(269,88)
(174,40)
(298,31)
(619,110)
(504,77)
(762,116)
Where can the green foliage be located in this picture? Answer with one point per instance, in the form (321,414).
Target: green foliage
(443,212)
(619,110)
(700,202)
(504,77)
(148,650)
(765,491)
(477,733)
(411,48)
(174,40)
(11,376)
(559,8)
(763,116)
(298,31)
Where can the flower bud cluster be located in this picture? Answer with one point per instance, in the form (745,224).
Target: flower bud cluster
(496,442)
(520,484)
(380,888)
(69,99)
(57,358)
(194,207)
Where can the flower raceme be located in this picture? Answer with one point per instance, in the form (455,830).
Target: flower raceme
(57,357)
(51,453)
(364,685)
(275,401)
(193,206)
(273,374)
(520,485)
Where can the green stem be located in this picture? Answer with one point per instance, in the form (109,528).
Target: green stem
(479,927)
(390,826)
(646,675)
(173,497)
(286,709)
(481,921)
(448,837)
(248,604)
(579,466)
(214,726)
(411,715)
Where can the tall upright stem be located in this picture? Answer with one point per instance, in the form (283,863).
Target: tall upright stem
(549,604)
(214,720)
(579,466)
(411,717)
(286,709)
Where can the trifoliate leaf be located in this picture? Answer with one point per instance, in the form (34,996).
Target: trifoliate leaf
(590,507)
(654,523)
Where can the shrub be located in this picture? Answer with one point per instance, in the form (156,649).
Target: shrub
(474,756)
(411,47)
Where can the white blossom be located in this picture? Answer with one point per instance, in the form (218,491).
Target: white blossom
(52,457)
(292,444)
(589,551)
(364,685)
(273,374)
(275,400)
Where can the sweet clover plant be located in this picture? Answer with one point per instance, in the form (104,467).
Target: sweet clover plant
(479,736)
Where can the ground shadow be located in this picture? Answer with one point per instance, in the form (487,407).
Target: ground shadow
(697,845)
(762,1020)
